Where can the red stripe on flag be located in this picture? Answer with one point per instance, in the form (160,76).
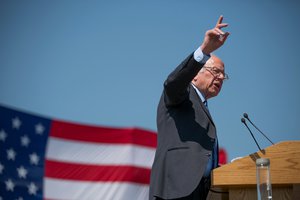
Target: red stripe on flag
(84,172)
(102,134)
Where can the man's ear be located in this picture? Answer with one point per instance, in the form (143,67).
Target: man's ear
(194,79)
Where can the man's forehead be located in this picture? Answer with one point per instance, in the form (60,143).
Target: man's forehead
(210,62)
(215,62)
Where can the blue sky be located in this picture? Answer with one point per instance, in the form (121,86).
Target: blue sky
(104,62)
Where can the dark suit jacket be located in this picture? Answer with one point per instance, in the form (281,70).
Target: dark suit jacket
(186,136)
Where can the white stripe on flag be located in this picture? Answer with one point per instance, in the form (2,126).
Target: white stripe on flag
(98,153)
(69,190)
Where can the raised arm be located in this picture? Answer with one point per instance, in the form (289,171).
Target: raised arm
(177,82)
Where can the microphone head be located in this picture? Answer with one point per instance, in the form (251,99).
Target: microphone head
(243,120)
(246,115)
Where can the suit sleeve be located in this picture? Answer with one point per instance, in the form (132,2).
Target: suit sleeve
(176,85)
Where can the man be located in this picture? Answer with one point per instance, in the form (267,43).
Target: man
(187,141)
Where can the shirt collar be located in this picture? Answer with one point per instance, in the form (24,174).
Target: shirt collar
(199,93)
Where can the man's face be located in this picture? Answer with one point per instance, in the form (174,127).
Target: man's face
(210,79)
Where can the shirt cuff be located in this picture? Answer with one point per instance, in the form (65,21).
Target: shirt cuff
(200,57)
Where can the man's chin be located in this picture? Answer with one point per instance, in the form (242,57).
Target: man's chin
(213,94)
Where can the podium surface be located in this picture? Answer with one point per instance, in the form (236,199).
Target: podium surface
(239,177)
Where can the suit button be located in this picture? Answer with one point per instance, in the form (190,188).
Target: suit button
(212,140)
(208,154)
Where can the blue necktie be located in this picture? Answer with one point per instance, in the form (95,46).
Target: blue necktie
(213,159)
(205,103)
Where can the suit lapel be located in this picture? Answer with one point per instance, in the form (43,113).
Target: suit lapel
(206,111)
(201,104)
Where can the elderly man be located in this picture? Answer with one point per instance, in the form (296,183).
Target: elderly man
(187,148)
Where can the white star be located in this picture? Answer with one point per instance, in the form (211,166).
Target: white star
(3,135)
(16,123)
(39,129)
(20,198)
(22,172)
(9,185)
(34,159)
(32,188)
(11,154)
(25,141)
(1,169)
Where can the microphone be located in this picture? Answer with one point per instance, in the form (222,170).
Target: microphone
(246,116)
(244,122)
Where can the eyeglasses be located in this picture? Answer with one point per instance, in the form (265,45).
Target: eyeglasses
(217,73)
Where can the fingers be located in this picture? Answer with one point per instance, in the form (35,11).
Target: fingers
(219,31)
(215,38)
(224,37)
(220,24)
(219,20)
(218,34)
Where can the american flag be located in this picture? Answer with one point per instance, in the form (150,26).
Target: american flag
(51,159)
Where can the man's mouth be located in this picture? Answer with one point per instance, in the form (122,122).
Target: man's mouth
(217,85)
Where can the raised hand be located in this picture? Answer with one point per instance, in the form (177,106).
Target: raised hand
(215,37)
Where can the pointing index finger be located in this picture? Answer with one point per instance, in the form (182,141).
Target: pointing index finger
(220,20)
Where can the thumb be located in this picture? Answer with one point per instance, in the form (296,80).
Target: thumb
(224,37)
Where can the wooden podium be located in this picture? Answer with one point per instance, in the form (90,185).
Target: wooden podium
(237,180)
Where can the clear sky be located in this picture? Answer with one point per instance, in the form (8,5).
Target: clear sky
(104,62)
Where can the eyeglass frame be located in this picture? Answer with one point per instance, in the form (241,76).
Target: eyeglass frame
(213,71)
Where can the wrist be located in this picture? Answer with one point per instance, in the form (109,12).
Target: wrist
(200,56)
(205,50)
